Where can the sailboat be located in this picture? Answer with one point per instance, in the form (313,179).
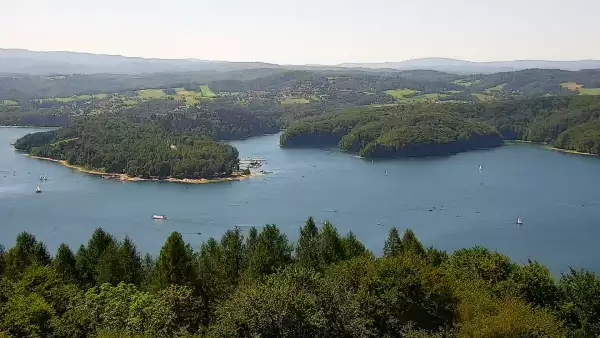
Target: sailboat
(480,168)
(519,220)
(38,190)
(385,172)
(45,177)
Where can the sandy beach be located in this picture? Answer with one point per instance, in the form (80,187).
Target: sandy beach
(127,178)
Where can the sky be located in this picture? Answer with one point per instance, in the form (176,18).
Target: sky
(308,31)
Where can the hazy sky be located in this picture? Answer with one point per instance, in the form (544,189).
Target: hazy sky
(308,31)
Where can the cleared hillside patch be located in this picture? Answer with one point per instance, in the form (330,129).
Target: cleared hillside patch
(206,92)
(401,92)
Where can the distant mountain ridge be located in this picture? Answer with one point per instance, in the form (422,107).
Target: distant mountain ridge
(39,63)
(461,66)
(24,61)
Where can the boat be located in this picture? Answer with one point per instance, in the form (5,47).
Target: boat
(385,172)
(45,177)
(41,177)
(519,220)
(159,217)
(480,168)
(38,190)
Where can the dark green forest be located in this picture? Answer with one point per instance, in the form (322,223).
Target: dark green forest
(257,283)
(117,145)
(568,122)
(393,132)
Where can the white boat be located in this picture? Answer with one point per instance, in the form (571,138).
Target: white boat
(519,220)
(38,190)
(45,177)
(480,168)
(159,217)
(385,172)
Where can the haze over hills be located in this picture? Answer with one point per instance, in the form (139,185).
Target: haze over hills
(462,66)
(60,62)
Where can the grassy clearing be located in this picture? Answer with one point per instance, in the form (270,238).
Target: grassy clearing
(571,85)
(206,92)
(465,82)
(495,89)
(294,100)
(400,92)
(191,98)
(589,91)
(582,91)
(84,97)
(148,94)
(9,103)
(482,97)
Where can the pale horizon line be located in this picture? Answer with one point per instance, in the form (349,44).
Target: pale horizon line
(289,64)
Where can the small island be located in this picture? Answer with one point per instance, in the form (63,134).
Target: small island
(121,148)
(388,132)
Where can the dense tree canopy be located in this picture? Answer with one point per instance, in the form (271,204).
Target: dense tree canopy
(144,150)
(569,122)
(259,284)
(393,131)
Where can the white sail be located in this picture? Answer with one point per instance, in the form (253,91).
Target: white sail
(480,167)
(385,172)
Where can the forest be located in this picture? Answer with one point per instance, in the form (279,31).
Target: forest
(393,132)
(121,146)
(257,283)
(566,122)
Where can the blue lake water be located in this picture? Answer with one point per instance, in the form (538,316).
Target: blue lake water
(556,195)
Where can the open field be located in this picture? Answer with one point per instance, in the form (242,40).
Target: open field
(190,98)
(496,89)
(151,94)
(83,97)
(465,83)
(483,97)
(9,103)
(400,92)
(206,92)
(571,85)
(294,100)
(589,91)
(582,91)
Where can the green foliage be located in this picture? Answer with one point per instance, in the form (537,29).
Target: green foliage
(307,248)
(65,263)
(580,306)
(269,252)
(394,131)
(174,264)
(26,252)
(124,147)
(261,285)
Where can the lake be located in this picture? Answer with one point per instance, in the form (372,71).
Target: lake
(556,195)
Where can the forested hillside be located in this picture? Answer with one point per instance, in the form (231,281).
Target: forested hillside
(393,132)
(568,122)
(259,284)
(138,150)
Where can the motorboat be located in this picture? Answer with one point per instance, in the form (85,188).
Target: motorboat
(159,217)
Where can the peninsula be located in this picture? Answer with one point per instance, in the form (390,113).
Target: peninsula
(130,151)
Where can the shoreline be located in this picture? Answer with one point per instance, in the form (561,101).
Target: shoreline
(127,178)
(550,147)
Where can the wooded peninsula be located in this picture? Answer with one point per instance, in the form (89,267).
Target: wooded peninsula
(119,146)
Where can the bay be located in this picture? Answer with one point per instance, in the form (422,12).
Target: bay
(555,194)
